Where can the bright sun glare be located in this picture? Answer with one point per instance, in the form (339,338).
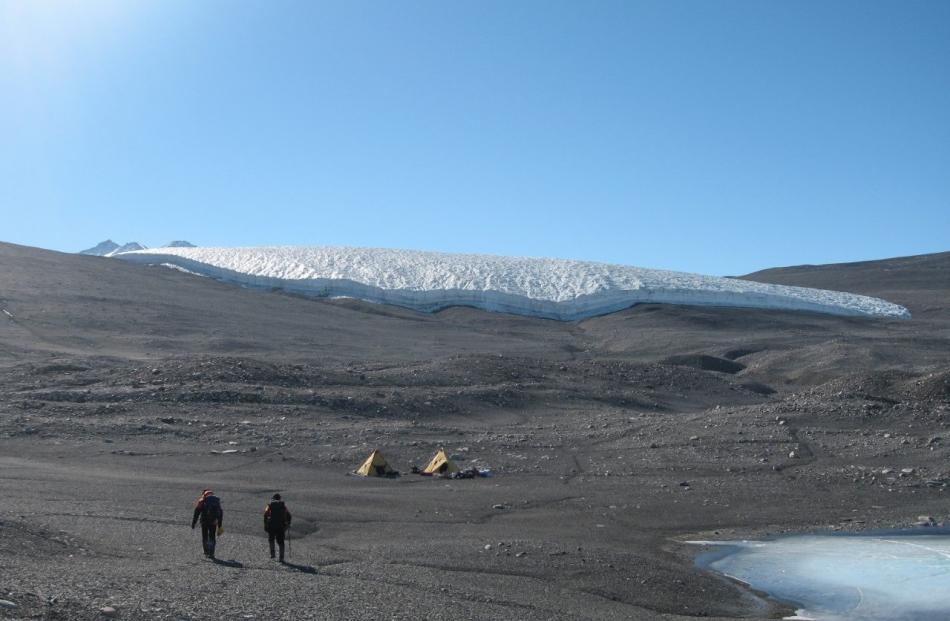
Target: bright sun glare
(41,35)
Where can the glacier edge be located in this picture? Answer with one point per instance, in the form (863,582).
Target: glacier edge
(546,288)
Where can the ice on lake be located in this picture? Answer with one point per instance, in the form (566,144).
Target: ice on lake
(899,577)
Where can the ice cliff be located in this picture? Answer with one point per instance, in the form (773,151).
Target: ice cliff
(549,288)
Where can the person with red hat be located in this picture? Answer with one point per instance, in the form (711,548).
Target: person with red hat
(208,510)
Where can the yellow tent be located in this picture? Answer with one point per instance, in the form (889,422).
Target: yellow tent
(441,464)
(375,466)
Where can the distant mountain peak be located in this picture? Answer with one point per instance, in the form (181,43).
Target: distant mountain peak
(129,247)
(109,248)
(101,249)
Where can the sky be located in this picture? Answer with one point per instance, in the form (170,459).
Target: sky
(714,137)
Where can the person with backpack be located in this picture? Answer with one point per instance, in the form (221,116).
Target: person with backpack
(208,510)
(276,522)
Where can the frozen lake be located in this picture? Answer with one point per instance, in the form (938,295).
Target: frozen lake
(897,577)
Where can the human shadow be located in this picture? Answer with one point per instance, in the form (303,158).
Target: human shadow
(305,569)
(231,563)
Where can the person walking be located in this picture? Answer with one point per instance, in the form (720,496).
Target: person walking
(208,510)
(276,522)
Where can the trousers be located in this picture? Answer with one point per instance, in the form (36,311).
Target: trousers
(209,538)
(278,536)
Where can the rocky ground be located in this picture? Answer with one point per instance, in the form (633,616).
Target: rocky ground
(612,442)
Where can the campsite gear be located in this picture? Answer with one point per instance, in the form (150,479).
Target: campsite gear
(441,464)
(472,472)
(208,510)
(277,520)
(375,466)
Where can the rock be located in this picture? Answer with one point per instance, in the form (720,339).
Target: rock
(793,455)
(5,603)
(488,546)
(499,507)
(108,611)
(926,520)
(684,483)
(520,554)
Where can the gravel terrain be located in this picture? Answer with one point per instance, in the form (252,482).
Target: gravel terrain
(125,390)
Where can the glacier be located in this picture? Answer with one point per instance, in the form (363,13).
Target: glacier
(896,577)
(559,289)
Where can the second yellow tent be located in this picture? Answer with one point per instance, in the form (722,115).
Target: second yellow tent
(441,464)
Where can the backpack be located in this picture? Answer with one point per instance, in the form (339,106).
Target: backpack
(211,509)
(277,520)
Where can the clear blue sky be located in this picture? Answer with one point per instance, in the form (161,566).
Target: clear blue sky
(717,137)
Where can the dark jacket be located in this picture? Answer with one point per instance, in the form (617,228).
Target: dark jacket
(276,516)
(209,510)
